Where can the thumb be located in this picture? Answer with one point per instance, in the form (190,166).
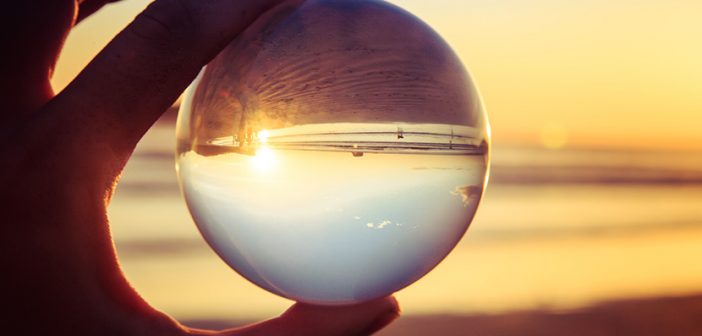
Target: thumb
(141,72)
(304,319)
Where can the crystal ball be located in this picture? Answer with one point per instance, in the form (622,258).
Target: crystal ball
(335,152)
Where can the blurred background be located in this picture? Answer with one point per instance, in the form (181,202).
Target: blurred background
(592,221)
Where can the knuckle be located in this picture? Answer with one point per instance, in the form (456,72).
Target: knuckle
(166,21)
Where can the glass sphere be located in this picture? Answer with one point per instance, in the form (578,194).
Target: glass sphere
(335,152)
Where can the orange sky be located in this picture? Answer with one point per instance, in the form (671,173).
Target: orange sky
(595,73)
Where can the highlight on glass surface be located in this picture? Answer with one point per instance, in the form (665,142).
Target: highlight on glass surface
(335,152)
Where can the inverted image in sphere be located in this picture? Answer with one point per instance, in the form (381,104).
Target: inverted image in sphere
(335,152)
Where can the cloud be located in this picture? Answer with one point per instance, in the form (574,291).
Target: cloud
(468,194)
(382,224)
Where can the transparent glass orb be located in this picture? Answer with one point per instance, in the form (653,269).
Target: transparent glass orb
(335,152)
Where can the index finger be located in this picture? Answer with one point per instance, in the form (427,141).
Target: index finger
(119,95)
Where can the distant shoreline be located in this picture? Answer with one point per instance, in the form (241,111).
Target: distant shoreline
(536,166)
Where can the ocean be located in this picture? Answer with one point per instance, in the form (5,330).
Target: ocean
(556,229)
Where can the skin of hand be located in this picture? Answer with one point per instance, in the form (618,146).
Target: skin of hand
(62,155)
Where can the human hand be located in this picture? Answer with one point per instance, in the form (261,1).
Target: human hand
(63,154)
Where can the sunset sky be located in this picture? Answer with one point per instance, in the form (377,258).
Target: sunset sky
(602,74)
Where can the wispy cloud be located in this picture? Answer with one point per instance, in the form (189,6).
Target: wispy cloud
(468,193)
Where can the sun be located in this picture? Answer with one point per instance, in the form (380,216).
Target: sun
(265,160)
(263,136)
(554,135)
